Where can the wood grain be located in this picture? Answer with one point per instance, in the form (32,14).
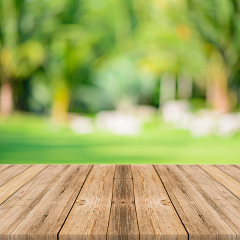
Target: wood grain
(232,170)
(123,190)
(19,205)
(123,171)
(156,216)
(47,217)
(123,221)
(3,167)
(224,202)
(123,202)
(89,216)
(199,218)
(230,183)
(17,182)
(11,172)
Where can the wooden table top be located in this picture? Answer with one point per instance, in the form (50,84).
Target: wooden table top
(119,202)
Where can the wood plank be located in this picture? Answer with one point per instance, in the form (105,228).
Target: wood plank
(224,202)
(11,172)
(232,170)
(123,221)
(89,216)
(3,167)
(123,190)
(199,218)
(17,182)
(18,206)
(123,171)
(157,218)
(47,217)
(230,183)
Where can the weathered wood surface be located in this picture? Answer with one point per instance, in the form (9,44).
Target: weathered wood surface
(198,217)
(123,220)
(222,201)
(232,170)
(122,202)
(47,217)
(5,166)
(18,181)
(89,216)
(6,174)
(230,183)
(123,171)
(21,203)
(157,218)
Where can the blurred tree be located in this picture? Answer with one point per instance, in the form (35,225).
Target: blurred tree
(115,67)
(122,82)
(104,52)
(68,45)
(169,44)
(19,55)
(69,51)
(218,25)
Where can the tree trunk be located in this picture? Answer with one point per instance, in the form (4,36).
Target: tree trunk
(6,98)
(217,87)
(60,103)
(184,86)
(167,88)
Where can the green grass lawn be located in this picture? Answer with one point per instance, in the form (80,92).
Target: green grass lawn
(28,139)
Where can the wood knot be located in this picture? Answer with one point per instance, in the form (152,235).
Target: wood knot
(122,202)
(80,202)
(166,202)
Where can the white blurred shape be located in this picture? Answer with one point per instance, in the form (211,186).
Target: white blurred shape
(185,120)
(82,125)
(175,111)
(206,122)
(118,123)
(228,124)
(202,126)
(145,113)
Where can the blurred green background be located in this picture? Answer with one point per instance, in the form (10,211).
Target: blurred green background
(120,81)
(21,142)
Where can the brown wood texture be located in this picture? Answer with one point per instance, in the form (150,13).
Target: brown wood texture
(199,218)
(123,220)
(10,172)
(122,202)
(20,204)
(229,182)
(157,218)
(232,170)
(4,166)
(47,217)
(223,202)
(123,171)
(18,181)
(89,216)
(123,190)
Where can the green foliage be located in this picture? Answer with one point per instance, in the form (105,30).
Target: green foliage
(113,49)
(218,24)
